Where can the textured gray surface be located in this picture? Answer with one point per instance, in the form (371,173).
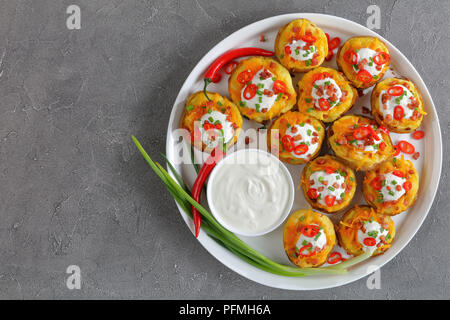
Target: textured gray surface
(73,190)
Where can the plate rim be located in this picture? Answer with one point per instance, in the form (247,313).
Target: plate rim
(227,258)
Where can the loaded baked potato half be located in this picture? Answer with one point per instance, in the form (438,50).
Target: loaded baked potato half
(364,60)
(211,122)
(397,104)
(328,184)
(301,45)
(261,88)
(325,94)
(361,229)
(308,238)
(360,142)
(296,137)
(392,187)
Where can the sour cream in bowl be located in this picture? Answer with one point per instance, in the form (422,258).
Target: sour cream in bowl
(250,192)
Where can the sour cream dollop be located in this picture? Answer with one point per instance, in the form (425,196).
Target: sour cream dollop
(304,133)
(365,56)
(315,243)
(265,97)
(326,89)
(300,50)
(371,230)
(405,100)
(221,128)
(250,192)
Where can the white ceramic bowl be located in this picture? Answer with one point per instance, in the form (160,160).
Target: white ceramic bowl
(215,212)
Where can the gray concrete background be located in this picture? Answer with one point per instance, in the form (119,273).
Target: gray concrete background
(73,189)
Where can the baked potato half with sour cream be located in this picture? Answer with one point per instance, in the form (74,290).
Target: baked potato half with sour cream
(359,142)
(261,88)
(361,228)
(328,184)
(210,122)
(392,187)
(325,94)
(363,60)
(301,45)
(296,138)
(308,238)
(397,104)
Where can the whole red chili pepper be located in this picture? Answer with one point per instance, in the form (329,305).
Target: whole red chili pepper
(211,73)
(216,155)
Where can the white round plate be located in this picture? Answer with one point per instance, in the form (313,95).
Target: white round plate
(271,244)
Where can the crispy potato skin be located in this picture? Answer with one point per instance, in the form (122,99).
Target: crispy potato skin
(292,118)
(405,125)
(200,105)
(320,164)
(285,36)
(254,64)
(347,229)
(305,86)
(392,208)
(296,221)
(356,159)
(355,43)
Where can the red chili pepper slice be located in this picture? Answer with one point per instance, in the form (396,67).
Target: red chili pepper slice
(329,200)
(361,133)
(398,173)
(213,70)
(395,91)
(384,129)
(407,185)
(324,104)
(376,183)
(245,76)
(382,146)
(373,133)
(207,125)
(203,174)
(288,142)
(250,91)
(306,248)
(364,76)
(317,76)
(287,50)
(310,230)
(399,113)
(309,38)
(334,43)
(329,56)
(334,258)
(230,66)
(330,170)
(301,149)
(419,134)
(381,58)
(406,147)
(350,57)
(279,86)
(370,242)
(312,193)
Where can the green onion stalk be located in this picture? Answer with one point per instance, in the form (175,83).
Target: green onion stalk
(181,193)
